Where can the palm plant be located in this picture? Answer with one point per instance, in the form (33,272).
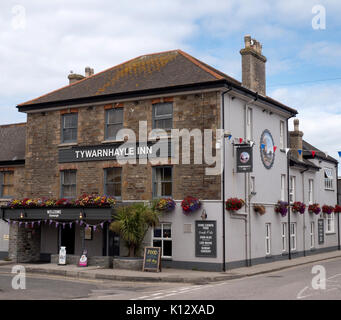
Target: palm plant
(132,223)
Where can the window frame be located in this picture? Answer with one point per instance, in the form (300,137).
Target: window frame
(249,124)
(328,179)
(155,196)
(312,234)
(106,124)
(162,239)
(268,239)
(62,129)
(106,183)
(292,189)
(283,183)
(284,233)
(163,117)
(2,174)
(311,191)
(330,222)
(62,172)
(282,135)
(293,236)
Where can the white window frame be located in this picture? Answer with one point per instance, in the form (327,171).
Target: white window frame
(311,191)
(284,232)
(330,223)
(252,184)
(162,238)
(283,177)
(312,234)
(249,122)
(292,189)
(328,178)
(268,239)
(281,135)
(293,237)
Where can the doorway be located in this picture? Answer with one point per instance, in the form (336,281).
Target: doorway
(67,238)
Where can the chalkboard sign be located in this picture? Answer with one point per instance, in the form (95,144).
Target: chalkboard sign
(206,239)
(152,259)
(320,231)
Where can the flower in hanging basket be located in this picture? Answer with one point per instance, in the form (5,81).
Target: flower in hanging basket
(337,209)
(165,204)
(190,204)
(282,208)
(314,208)
(259,209)
(234,204)
(298,207)
(327,209)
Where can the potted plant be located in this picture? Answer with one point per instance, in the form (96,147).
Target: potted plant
(282,208)
(314,208)
(234,204)
(132,223)
(337,209)
(327,209)
(190,204)
(298,207)
(164,204)
(260,209)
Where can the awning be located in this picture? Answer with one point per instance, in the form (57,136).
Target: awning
(66,214)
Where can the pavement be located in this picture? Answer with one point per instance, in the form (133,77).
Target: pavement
(168,274)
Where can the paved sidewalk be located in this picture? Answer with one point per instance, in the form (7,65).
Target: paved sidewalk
(169,274)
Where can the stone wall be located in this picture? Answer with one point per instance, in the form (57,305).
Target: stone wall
(24,243)
(191,111)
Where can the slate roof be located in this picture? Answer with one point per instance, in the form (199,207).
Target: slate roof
(148,72)
(12,142)
(307,148)
(294,160)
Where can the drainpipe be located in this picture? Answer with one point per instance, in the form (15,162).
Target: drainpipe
(223,178)
(304,226)
(337,201)
(288,192)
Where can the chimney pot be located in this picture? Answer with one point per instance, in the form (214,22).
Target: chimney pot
(89,71)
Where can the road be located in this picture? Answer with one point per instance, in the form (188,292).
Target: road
(290,284)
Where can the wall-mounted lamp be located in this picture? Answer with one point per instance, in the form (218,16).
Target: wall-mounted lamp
(80,216)
(22,215)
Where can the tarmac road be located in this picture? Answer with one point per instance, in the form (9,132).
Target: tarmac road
(290,284)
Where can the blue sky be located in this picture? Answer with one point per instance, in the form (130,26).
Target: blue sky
(40,47)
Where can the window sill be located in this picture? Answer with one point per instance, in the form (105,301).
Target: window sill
(112,141)
(167,258)
(67,144)
(330,233)
(329,190)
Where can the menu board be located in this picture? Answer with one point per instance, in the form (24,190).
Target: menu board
(320,228)
(206,239)
(152,259)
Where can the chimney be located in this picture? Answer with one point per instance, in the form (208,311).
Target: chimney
(253,66)
(89,71)
(74,77)
(295,138)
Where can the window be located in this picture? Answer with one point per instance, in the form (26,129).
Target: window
(162,182)
(284,236)
(311,191)
(328,178)
(292,189)
(330,223)
(283,187)
(293,235)
(6,184)
(113,182)
(312,234)
(69,127)
(281,135)
(267,238)
(68,184)
(162,237)
(113,123)
(163,116)
(249,124)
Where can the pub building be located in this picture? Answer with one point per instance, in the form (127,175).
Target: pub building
(72,148)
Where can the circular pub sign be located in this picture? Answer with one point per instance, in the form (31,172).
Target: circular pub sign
(267,152)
